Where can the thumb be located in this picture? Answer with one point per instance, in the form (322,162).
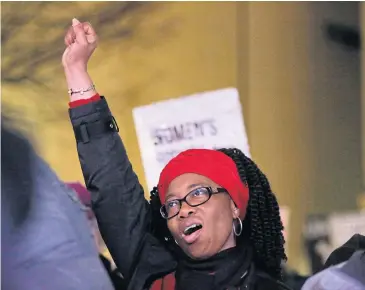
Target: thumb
(65,54)
(79,32)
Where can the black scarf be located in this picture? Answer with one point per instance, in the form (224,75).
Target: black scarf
(219,272)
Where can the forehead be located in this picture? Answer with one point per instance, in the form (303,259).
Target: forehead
(188,181)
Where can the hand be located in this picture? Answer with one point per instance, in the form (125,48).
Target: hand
(81,41)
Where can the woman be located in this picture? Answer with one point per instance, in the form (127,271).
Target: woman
(212,223)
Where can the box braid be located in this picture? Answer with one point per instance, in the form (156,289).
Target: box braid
(262,224)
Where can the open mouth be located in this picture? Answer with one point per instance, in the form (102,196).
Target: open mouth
(192,228)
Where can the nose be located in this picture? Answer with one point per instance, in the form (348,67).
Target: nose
(186,210)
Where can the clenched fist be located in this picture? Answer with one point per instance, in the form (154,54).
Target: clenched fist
(81,41)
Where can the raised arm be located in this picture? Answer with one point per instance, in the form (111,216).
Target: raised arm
(118,199)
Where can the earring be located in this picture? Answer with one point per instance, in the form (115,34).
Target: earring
(238,232)
(176,242)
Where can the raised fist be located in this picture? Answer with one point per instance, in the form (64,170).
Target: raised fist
(81,41)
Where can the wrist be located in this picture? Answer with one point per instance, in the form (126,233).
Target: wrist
(79,79)
(75,68)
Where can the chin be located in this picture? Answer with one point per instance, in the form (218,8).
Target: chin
(196,253)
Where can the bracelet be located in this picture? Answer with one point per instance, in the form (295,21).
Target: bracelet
(81,91)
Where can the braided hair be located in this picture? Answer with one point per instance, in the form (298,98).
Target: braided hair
(262,224)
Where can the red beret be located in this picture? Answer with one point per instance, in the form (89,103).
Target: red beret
(212,164)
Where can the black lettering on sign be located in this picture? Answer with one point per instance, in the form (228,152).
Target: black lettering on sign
(184,131)
(212,127)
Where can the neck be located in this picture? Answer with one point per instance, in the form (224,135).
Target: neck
(219,260)
(215,271)
(230,242)
(212,260)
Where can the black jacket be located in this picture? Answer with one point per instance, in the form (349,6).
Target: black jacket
(119,204)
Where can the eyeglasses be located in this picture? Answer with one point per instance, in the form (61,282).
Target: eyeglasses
(194,198)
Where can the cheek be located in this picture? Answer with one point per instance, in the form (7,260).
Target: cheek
(222,223)
(218,221)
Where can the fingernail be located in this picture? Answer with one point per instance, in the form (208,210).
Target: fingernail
(75,22)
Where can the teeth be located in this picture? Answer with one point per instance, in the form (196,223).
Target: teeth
(187,229)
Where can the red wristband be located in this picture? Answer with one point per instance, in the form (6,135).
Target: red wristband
(78,103)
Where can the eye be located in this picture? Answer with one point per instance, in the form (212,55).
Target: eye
(172,204)
(199,192)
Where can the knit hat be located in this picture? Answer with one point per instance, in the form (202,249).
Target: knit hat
(212,164)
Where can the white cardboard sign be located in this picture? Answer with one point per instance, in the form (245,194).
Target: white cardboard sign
(206,120)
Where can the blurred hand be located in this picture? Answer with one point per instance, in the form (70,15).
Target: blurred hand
(81,41)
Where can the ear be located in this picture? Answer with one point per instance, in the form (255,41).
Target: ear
(235,210)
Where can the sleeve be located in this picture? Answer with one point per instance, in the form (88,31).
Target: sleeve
(122,212)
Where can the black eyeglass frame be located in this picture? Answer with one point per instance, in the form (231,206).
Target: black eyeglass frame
(184,199)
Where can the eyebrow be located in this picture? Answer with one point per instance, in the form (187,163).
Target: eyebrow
(190,187)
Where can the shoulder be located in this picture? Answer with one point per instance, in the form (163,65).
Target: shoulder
(256,279)
(155,262)
(346,275)
(344,252)
(265,281)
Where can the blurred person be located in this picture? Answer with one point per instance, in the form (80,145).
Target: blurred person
(349,275)
(344,268)
(212,222)
(106,259)
(44,238)
(343,253)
